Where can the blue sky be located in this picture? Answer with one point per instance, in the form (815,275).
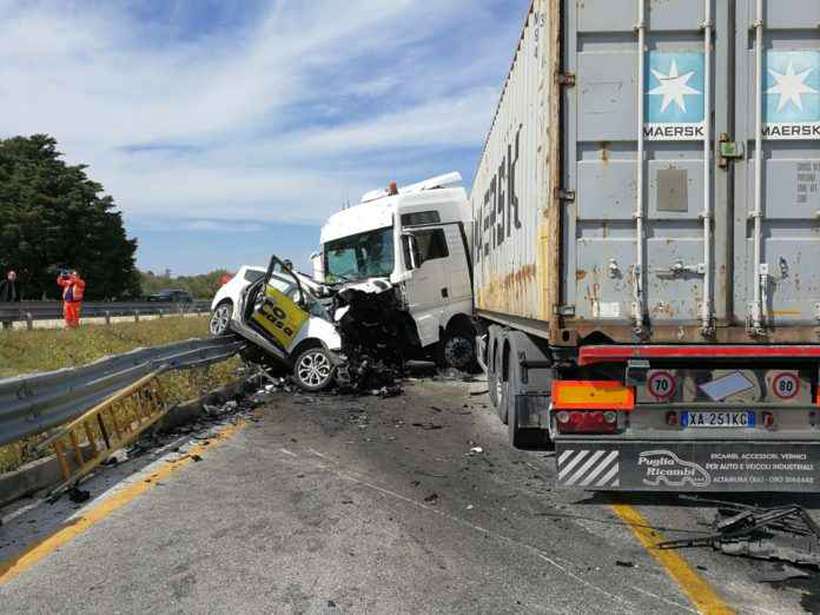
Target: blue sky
(229,129)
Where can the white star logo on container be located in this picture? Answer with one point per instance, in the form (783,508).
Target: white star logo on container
(673,87)
(790,86)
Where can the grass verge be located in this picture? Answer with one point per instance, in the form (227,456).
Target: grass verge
(43,350)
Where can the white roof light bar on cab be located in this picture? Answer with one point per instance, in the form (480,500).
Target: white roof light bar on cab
(433,183)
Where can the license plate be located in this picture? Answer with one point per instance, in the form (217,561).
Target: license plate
(711,418)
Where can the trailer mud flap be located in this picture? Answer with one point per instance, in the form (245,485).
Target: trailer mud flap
(688,466)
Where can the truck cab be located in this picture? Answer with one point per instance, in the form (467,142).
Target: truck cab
(414,238)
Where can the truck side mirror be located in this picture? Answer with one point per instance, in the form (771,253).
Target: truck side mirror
(410,247)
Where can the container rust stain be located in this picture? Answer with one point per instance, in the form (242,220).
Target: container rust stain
(510,292)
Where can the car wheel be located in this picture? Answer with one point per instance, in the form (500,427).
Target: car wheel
(220,322)
(314,369)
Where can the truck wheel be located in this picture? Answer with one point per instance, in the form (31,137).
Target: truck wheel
(314,369)
(522,348)
(459,351)
(220,322)
(492,390)
(522,438)
(492,367)
(503,392)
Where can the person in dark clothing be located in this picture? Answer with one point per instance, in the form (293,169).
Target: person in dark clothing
(9,291)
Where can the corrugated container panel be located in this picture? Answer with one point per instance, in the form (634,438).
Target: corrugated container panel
(509,195)
(671,227)
(788,277)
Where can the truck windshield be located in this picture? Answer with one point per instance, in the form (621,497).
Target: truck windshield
(366,255)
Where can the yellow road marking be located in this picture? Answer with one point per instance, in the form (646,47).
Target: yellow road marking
(696,588)
(14,567)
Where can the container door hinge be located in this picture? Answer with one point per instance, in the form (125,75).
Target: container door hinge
(564,310)
(566,195)
(566,80)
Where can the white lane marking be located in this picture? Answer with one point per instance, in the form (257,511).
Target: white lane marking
(568,468)
(585,468)
(601,467)
(678,605)
(287,452)
(318,454)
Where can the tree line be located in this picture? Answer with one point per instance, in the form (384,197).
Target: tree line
(53,217)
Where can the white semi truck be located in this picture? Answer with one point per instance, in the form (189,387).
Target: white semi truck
(414,239)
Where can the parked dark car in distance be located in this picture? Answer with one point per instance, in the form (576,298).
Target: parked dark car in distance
(171,295)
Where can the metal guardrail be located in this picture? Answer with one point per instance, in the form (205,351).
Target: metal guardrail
(34,403)
(30,311)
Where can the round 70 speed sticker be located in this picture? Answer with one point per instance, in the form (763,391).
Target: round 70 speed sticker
(661,385)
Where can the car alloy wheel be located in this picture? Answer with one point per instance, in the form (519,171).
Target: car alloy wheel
(314,369)
(220,319)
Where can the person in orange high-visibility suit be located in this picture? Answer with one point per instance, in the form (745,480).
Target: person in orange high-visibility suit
(73,289)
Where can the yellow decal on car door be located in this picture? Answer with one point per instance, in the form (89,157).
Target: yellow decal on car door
(280,316)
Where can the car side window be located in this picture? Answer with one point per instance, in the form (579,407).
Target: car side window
(252,275)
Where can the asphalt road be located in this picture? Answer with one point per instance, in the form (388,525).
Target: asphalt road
(331,504)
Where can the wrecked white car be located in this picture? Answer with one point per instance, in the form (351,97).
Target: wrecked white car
(283,317)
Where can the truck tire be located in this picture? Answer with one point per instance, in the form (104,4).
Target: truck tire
(493,335)
(314,369)
(521,347)
(459,351)
(502,384)
(523,437)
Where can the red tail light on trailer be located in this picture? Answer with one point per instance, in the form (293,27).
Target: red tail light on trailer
(587,421)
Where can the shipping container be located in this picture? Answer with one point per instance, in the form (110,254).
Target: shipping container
(647,217)
(669,227)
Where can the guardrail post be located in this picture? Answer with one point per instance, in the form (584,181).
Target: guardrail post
(136,315)
(180,309)
(29,321)
(107,317)
(159,313)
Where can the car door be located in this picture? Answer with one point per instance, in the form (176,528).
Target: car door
(279,311)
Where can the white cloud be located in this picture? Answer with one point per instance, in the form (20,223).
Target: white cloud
(269,116)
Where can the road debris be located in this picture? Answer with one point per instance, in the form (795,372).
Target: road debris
(431,499)
(476,450)
(77,495)
(427,426)
(783,533)
(374,339)
(780,574)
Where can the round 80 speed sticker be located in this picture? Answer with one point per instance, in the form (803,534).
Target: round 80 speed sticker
(661,385)
(786,385)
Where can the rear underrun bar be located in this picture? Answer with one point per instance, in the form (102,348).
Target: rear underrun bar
(590,355)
